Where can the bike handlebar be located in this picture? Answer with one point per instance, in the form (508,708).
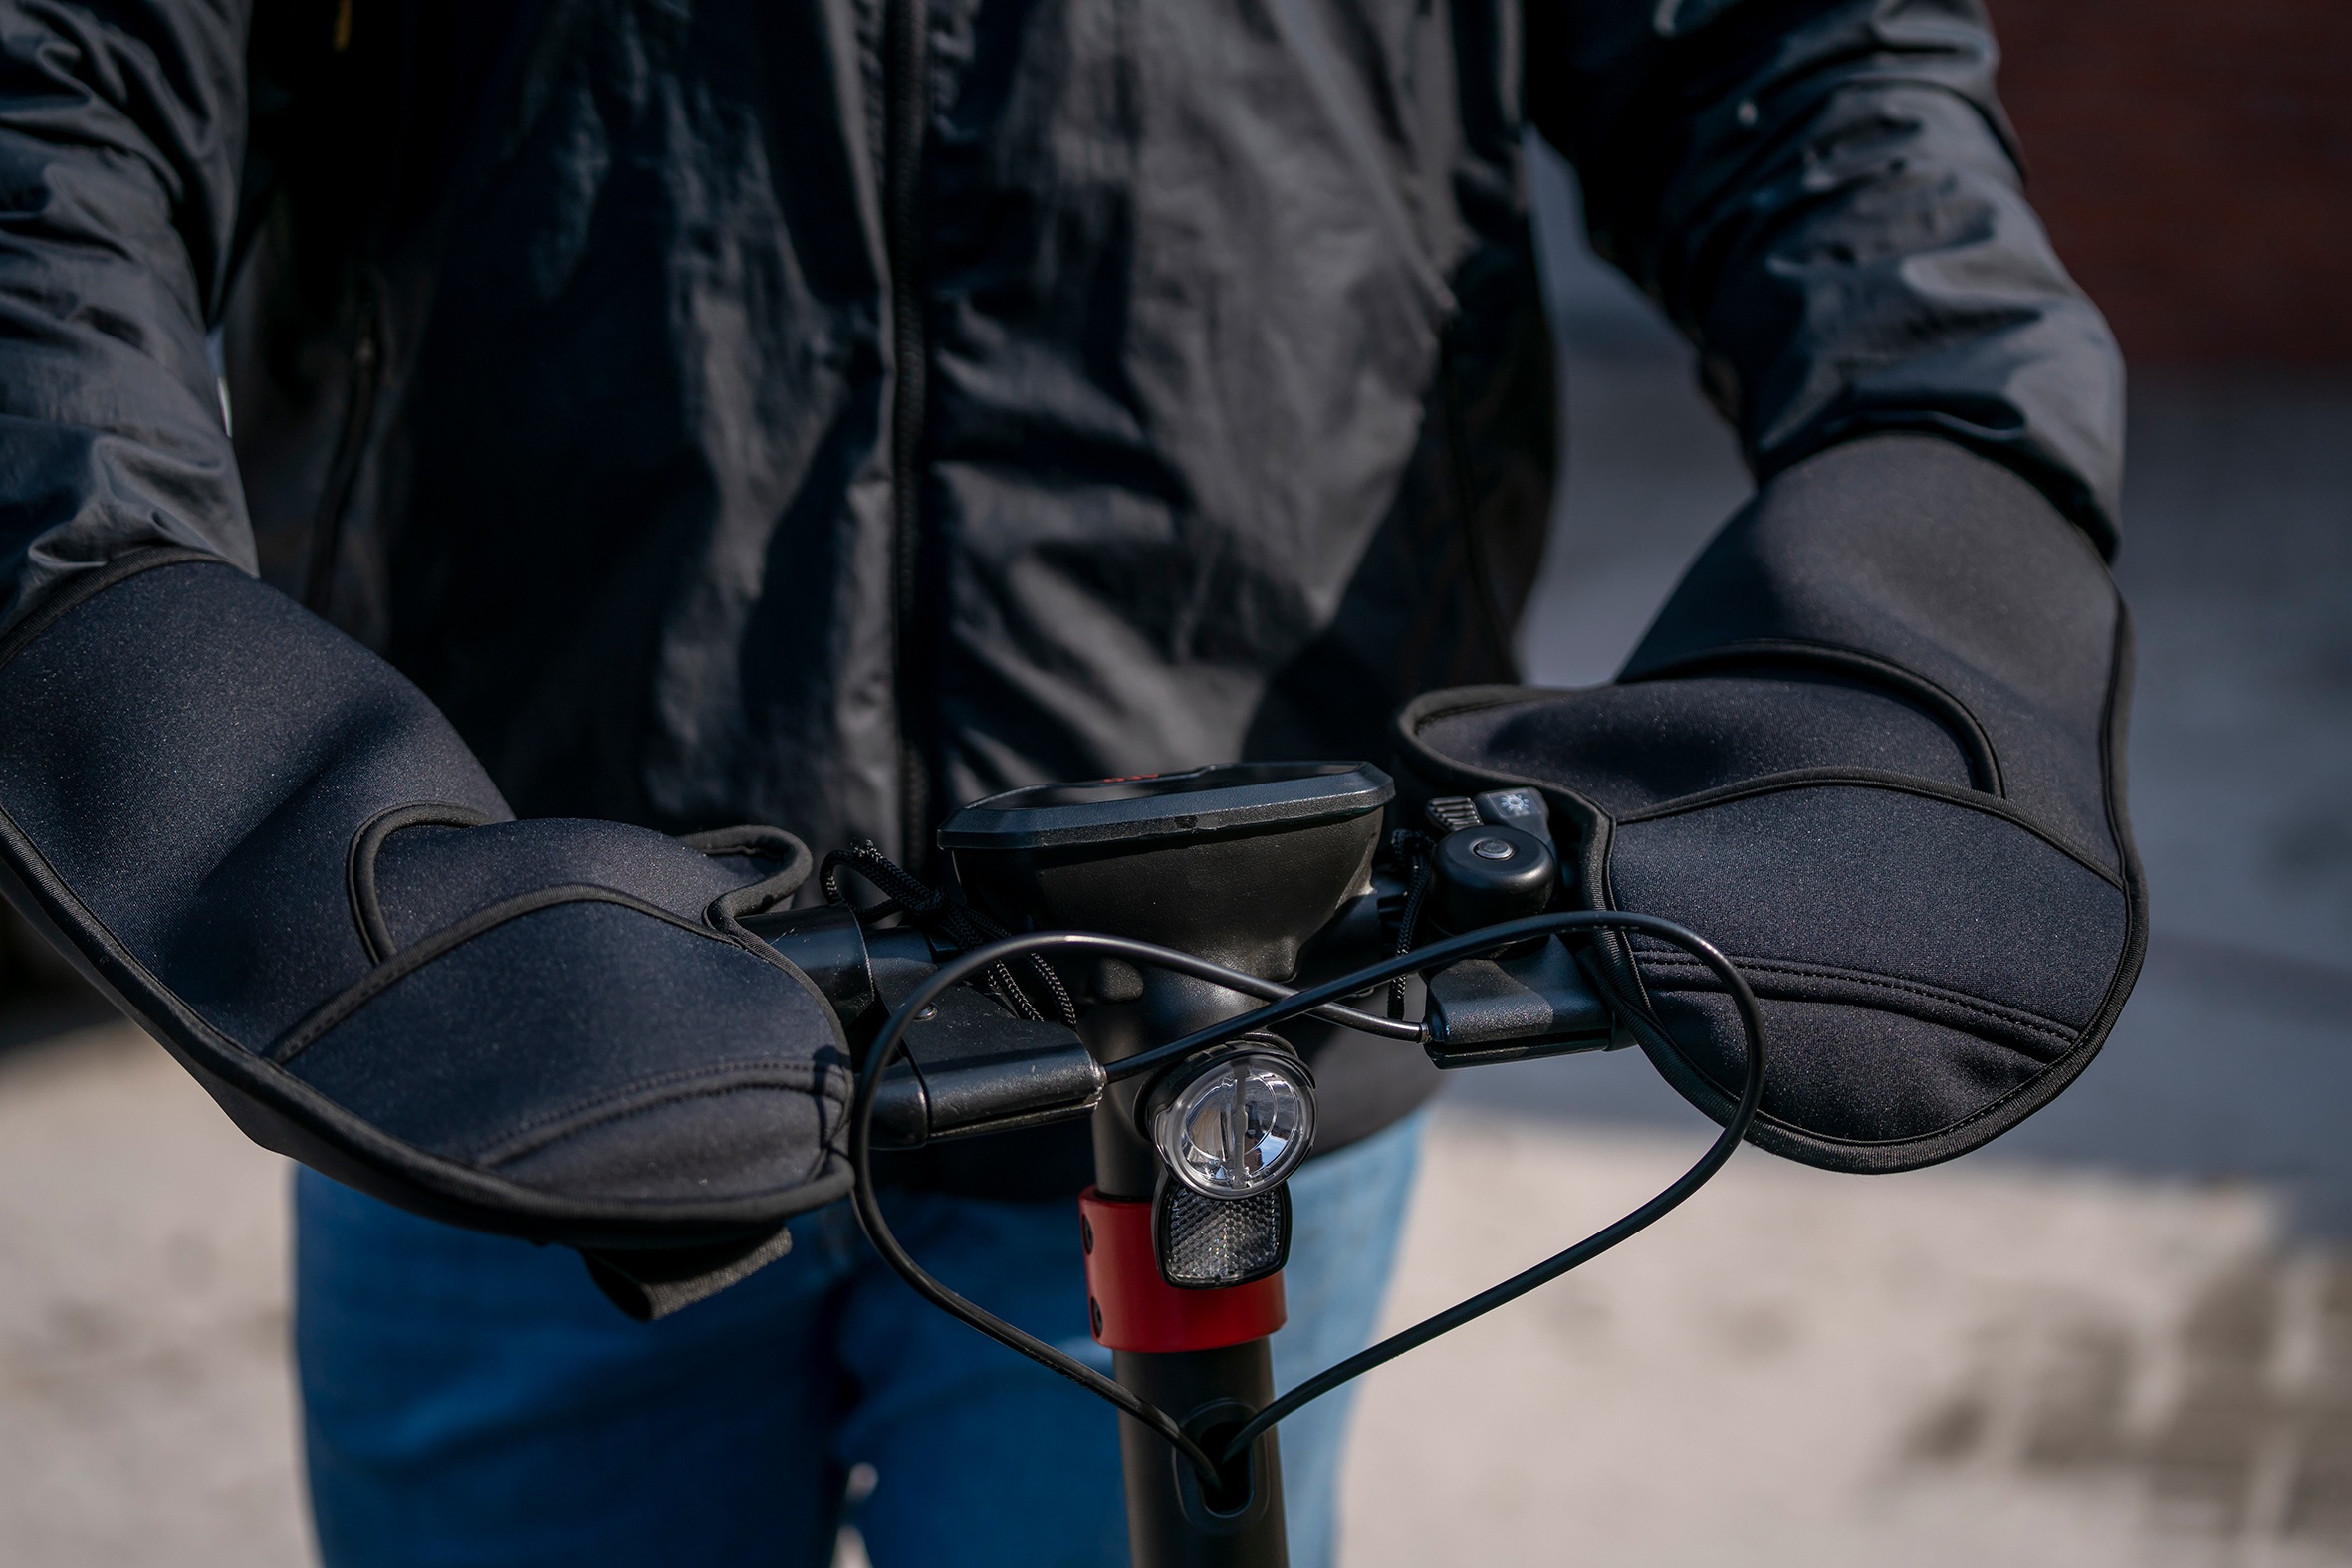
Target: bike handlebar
(1285,1003)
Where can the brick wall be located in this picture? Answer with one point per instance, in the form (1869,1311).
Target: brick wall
(2193,161)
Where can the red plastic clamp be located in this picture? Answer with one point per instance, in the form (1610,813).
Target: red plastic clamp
(1133,1308)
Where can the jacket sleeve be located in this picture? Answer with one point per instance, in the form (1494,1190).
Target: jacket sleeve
(1825,196)
(121,132)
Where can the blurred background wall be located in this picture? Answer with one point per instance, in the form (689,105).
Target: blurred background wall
(2121,1335)
(2193,159)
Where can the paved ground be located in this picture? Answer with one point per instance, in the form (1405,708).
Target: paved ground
(145,1416)
(1982,1364)
(2121,1336)
(1967,1367)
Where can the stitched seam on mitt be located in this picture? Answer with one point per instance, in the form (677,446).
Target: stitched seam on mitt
(1869,778)
(2015,1018)
(1756,657)
(79,591)
(359,865)
(596,1110)
(427,949)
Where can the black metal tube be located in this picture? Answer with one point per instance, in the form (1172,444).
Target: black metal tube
(1173,1521)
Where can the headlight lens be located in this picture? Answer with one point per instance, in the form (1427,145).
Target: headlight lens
(1240,1126)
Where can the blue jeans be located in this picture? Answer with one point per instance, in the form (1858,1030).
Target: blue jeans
(473,1400)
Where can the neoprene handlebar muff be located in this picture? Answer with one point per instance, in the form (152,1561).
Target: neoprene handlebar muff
(277,855)
(1871,747)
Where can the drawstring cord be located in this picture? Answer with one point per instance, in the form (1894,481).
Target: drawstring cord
(940,913)
(1414,849)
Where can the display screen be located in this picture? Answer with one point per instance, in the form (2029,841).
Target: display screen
(1148,787)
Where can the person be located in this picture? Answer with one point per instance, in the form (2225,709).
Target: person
(822,414)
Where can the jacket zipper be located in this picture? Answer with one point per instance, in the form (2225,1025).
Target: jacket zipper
(909,109)
(350,448)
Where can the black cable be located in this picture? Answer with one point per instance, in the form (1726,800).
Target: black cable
(1734,1129)
(868,1204)
(1312,999)
(885,1050)
(1318,999)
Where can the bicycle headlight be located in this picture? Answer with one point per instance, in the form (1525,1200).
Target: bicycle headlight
(1236,1125)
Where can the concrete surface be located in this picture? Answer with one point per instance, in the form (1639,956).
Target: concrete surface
(1971,1366)
(2123,1335)
(146,1420)
(1980,1364)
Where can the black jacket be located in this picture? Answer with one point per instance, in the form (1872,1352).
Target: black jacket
(820,412)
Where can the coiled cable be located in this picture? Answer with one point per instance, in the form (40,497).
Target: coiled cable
(1285,1003)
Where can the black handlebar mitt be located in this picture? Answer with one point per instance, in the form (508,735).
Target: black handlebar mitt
(273,852)
(1873,749)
